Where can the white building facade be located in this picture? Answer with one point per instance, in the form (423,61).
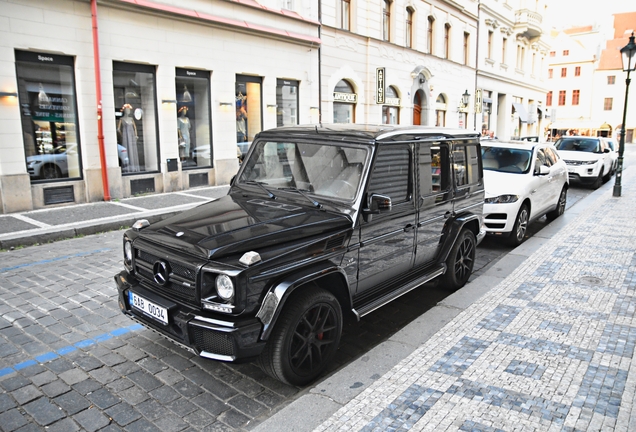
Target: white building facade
(106,99)
(181,83)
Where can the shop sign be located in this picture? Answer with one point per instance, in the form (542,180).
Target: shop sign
(392,101)
(193,73)
(345,97)
(478,101)
(379,85)
(58,109)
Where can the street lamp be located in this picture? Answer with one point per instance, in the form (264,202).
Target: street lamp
(628,55)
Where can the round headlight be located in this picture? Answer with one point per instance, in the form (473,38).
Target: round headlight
(128,253)
(224,287)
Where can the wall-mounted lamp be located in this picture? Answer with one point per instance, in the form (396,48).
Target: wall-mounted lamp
(463,103)
(168,101)
(8,94)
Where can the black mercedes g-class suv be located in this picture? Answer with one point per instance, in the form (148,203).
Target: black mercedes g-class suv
(319,221)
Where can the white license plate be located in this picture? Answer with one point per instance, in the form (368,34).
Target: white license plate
(149,308)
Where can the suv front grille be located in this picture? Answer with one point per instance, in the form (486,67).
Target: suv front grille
(181,282)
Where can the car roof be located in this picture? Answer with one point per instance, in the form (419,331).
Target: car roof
(366,133)
(511,144)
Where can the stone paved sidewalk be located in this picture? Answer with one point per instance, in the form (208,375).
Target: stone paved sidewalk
(550,348)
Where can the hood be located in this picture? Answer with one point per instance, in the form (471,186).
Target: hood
(498,183)
(579,155)
(237,224)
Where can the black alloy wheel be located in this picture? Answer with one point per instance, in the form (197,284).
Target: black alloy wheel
(560,208)
(521,226)
(305,338)
(460,261)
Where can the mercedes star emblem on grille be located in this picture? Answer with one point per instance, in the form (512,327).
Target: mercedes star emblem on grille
(161,270)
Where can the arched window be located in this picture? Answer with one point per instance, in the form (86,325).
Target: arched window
(391,108)
(440,111)
(408,38)
(430,34)
(447,31)
(344,104)
(386,20)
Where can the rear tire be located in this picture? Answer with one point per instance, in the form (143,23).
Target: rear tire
(560,208)
(518,233)
(460,261)
(305,338)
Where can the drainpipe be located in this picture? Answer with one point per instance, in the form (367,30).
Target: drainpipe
(98,95)
(477,129)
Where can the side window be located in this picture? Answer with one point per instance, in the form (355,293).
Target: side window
(390,174)
(542,158)
(551,156)
(434,169)
(465,165)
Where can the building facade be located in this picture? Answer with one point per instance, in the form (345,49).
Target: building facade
(586,80)
(112,98)
(181,84)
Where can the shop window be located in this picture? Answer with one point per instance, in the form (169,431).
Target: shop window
(391,111)
(286,102)
(194,135)
(46,88)
(344,103)
(249,111)
(136,116)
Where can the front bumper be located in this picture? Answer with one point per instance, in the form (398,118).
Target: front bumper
(584,174)
(218,338)
(499,219)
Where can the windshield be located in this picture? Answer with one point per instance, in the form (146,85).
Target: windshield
(578,144)
(506,159)
(322,170)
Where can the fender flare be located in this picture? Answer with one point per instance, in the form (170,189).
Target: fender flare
(453,232)
(277,295)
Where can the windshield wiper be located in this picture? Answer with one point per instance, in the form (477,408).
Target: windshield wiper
(260,184)
(302,192)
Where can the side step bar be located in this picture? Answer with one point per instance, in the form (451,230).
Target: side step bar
(381,301)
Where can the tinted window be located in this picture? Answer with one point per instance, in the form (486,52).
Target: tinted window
(507,159)
(434,169)
(465,165)
(390,175)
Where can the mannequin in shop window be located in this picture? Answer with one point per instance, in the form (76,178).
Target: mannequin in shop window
(241,119)
(183,130)
(128,131)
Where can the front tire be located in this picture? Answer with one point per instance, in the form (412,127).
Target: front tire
(460,261)
(305,338)
(560,208)
(599,181)
(521,226)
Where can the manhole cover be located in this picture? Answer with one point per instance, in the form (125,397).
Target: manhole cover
(591,280)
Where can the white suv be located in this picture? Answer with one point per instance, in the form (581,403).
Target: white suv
(589,159)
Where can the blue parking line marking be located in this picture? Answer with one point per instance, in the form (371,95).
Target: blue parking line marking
(42,358)
(47,261)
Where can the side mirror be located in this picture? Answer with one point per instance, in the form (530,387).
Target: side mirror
(606,150)
(543,170)
(377,204)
